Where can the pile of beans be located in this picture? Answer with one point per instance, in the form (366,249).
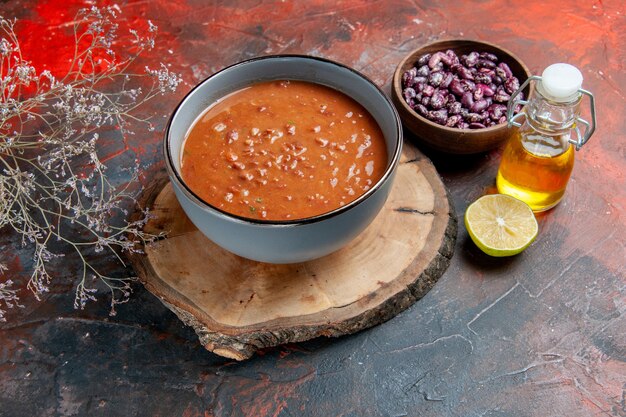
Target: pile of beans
(466,92)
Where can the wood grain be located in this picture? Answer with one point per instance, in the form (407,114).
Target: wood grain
(238,306)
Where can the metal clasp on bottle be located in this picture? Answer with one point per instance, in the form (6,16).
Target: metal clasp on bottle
(580,140)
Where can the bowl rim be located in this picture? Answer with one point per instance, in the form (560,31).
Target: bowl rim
(177,178)
(397,85)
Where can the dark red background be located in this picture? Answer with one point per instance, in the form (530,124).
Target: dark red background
(540,334)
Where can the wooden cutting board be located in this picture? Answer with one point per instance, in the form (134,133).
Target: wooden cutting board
(238,306)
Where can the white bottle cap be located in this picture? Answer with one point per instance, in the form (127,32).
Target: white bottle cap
(561,82)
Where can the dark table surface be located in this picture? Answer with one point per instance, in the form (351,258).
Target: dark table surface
(539,334)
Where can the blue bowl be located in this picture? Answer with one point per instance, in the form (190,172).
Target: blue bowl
(295,240)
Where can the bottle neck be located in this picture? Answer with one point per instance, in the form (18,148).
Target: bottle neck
(551,117)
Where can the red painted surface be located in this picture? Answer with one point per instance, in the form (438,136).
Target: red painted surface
(539,334)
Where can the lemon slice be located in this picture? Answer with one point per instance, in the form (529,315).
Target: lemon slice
(501,225)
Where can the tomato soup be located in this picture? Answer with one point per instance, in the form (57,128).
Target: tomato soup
(283,150)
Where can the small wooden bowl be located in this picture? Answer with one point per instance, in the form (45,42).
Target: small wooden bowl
(448,139)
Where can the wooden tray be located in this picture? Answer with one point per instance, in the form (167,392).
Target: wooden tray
(238,306)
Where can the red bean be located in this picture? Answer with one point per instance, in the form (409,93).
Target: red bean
(468,85)
(423,60)
(483,63)
(438,116)
(471,59)
(507,71)
(511,85)
(436,59)
(474,117)
(501,96)
(421,109)
(409,75)
(487,91)
(437,101)
(489,56)
(454,59)
(501,73)
(423,71)
(408,93)
(496,111)
(453,120)
(464,73)
(479,106)
(447,80)
(457,88)
(483,78)
(428,90)
(454,108)
(467,100)
(435,78)
(469,91)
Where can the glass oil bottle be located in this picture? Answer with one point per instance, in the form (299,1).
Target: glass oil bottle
(539,157)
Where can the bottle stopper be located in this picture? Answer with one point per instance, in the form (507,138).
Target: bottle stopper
(561,82)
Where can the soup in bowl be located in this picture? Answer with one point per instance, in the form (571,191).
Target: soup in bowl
(283,159)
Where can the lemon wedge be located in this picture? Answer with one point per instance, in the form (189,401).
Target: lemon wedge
(501,225)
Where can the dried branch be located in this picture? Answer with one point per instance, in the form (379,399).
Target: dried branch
(54,190)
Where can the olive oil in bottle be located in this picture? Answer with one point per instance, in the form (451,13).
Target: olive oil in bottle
(539,157)
(536,169)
